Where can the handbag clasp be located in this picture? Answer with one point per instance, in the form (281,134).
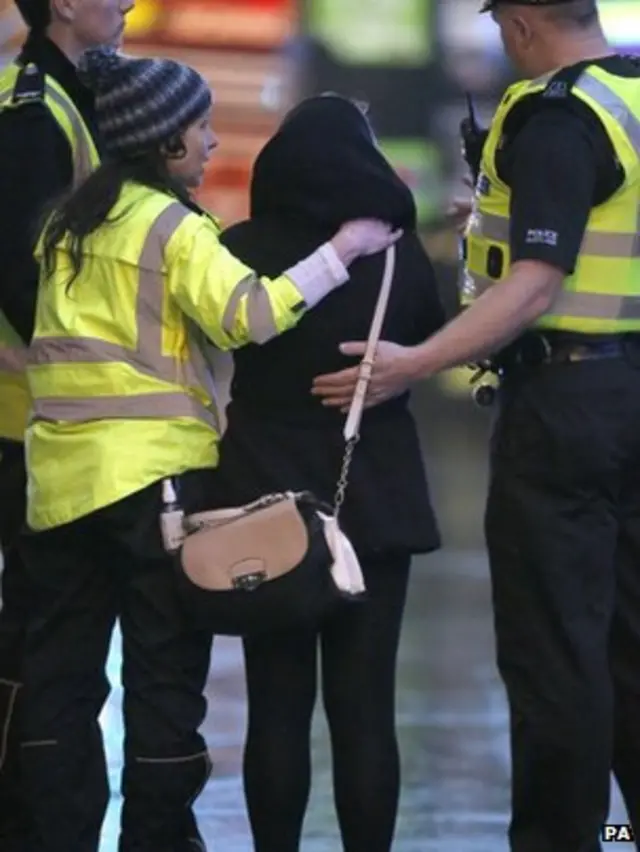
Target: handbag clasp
(249,582)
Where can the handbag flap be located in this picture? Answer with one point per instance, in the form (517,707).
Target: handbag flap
(244,551)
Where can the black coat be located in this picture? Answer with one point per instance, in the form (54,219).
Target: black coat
(320,170)
(36,168)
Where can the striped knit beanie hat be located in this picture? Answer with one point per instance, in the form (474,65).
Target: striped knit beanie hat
(141,103)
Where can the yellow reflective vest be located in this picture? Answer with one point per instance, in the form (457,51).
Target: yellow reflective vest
(14,397)
(121,394)
(603,294)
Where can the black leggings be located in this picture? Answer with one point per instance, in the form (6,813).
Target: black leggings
(359,652)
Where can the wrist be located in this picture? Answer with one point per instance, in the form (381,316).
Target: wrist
(418,363)
(334,263)
(343,246)
(318,274)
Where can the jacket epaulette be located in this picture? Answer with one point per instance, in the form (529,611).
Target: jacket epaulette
(30,85)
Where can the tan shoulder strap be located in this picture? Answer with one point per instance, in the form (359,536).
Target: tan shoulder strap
(351,429)
(352,425)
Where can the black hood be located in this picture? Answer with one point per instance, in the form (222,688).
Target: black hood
(323,168)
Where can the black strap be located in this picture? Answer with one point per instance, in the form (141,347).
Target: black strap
(563,81)
(558,90)
(29,86)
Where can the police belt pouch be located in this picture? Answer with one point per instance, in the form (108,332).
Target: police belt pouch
(281,561)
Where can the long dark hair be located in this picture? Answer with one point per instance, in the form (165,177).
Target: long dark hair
(86,208)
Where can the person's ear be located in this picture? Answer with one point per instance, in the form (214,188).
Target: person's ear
(174,149)
(64,10)
(522,29)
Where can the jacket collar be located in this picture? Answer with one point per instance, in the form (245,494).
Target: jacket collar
(54,63)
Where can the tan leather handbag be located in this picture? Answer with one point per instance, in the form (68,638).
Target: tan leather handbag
(282,559)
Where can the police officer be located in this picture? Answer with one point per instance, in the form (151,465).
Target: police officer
(552,284)
(47,143)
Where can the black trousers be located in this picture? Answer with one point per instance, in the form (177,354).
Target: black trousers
(563,533)
(13,614)
(85,575)
(359,651)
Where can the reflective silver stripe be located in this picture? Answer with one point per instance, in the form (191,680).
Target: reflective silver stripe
(82,158)
(595,306)
(108,407)
(82,154)
(594,244)
(604,244)
(12,359)
(203,370)
(260,319)
(491,227)
(570,303)
(149,307)
(241,289)
(147,358)
(612,103)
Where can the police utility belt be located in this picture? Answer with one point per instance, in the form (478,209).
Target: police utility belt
(282,561)
(536,349)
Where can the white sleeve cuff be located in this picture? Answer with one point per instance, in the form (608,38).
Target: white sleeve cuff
(317,275)
(336,266)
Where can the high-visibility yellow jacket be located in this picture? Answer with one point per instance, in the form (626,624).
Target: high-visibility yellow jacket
(121,395)
(603,294)
(20,86)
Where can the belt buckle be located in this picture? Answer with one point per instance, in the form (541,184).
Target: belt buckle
(249,582)
(577,353)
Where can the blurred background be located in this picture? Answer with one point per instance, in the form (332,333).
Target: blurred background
(412,61)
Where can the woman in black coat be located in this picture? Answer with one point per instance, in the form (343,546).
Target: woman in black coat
(320,169)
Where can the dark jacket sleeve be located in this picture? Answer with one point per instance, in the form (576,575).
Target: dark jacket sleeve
(35,168)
